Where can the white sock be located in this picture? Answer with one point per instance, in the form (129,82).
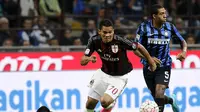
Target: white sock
(89,110)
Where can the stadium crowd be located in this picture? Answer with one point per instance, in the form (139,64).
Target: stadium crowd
(72,22)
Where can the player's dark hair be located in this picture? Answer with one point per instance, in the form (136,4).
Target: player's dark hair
(154,8)
(105,22)
(43,109)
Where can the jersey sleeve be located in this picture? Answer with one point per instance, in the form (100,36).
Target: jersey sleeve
(89,48)
(140,33)
(129,44)
(176,34)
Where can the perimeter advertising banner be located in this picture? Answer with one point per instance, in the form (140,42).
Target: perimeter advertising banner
(57,61)
(66,91)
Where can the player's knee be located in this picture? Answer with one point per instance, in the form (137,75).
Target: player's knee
(160,93)
(91,104)
(105,102)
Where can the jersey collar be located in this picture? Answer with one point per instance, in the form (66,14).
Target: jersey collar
(151,24)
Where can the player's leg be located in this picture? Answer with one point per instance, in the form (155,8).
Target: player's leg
(149,78)
(159,96)
(162,82)
(107,102)
(170,99)
(97,89)
(92,100)
(117,85)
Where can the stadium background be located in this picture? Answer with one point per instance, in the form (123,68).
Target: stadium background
(42,42)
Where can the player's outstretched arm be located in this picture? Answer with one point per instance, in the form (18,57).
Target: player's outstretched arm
(181,56)
(147,56)
(86,59)
(156,60)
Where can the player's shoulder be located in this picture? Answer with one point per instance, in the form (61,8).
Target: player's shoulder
(144,23)
(95,38)
(122,39)
(169,25)
(117,37)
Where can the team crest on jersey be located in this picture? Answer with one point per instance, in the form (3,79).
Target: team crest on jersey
(166,33)
(114,48)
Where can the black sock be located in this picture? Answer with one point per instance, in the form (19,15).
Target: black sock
(168,100)
(160,102)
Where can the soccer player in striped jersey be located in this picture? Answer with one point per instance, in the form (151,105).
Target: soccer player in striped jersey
(155,35)
(108,82)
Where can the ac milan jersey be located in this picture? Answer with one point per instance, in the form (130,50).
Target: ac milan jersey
(113,54)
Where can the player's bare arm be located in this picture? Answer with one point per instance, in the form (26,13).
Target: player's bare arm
(147,56)
(156,60)
(181,56)
(86,59)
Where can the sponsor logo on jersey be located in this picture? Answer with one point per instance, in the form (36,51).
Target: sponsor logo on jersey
(158,41)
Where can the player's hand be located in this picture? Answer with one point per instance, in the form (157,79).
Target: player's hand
(152,65)
(157,61)
(181,56)
(93,58)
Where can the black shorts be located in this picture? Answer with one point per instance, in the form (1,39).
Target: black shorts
(159,76)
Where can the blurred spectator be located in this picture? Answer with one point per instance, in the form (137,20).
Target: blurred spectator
(182,7)
(105,13)
(180,26)
(77,41)
(134,7)
(91,31)
(195,7)
(8,43)
(79,7)
(119,8)
(95,5)
(4,30)
(68,6)
(12,10)
(24,35)
(28,8)
(54,42)
(1,7)
(101,15)
(190,41)
(42,33)
(119,27)
(49,8)
(66,39)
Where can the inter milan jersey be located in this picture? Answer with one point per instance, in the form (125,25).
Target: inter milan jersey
(157,41)
(113,54)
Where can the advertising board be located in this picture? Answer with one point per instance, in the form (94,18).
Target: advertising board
(66,91)
(57,61)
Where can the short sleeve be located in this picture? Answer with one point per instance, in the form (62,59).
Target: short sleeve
(89,48)
(129,44)
(176,34)
(140,33)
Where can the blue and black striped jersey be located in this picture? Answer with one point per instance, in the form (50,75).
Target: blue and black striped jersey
(157,41)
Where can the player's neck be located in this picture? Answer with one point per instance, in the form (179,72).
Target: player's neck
(156,24)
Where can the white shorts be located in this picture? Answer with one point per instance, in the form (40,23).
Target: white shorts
(101,83)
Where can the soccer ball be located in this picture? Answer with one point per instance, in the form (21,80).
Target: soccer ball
(149,106)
